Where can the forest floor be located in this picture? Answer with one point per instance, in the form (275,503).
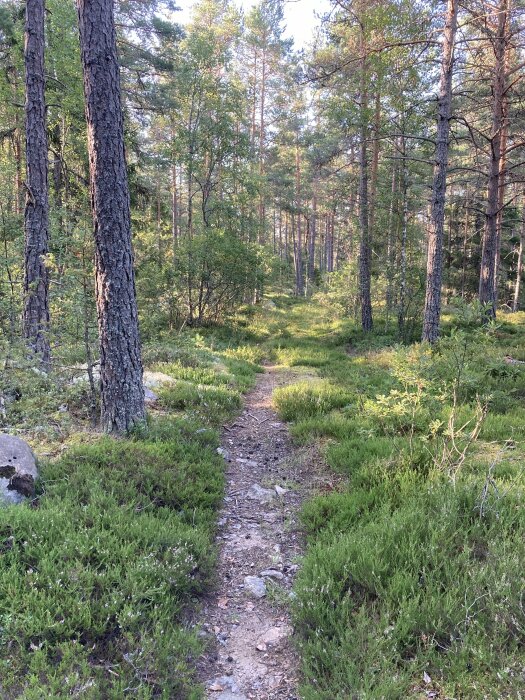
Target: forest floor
(251,654)
(377,512)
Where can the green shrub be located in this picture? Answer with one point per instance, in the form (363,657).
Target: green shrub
(215,403)
(411,584)
(388,591)
(95,579)
(354,452)
(307,399)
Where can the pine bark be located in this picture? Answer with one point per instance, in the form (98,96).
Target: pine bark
(36,216)
(432,311)
(390,245)
(262,136)
(313,232)
(122,393)
(299,279)
(365,299)
(174,208)
(519,265)
(503,152)
(487,278)
(375,164)
(403,253)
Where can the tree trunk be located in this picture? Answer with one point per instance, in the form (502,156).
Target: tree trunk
(330,247)
(390,245)
(403,262)
(36,219)
(432,311)
(365,244)
(262,205)
(174,208)
(122,393)
(503,153)
(313,232)
(375,164)
(487,278)
(299,282)
(519,265)
(465,244)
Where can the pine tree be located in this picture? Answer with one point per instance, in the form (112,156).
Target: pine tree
(36,219)
(122,391)
(432,309)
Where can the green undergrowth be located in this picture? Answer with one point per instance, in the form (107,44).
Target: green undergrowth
(412,583)
(99,574)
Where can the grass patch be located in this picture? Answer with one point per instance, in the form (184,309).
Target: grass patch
(308,399)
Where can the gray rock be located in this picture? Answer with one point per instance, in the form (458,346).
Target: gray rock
(83,377)
(150,396)
(257,493)
(255,586)
(18,470)
(228,695)
(154,380)
(273,573)
(280,491)
(226,683)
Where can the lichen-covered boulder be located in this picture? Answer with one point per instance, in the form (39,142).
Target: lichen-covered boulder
(155,380)
(18,470)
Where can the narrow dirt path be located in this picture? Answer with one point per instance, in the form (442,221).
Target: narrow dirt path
(251,655)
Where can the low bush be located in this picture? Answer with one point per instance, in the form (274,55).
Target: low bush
(411,584)
(99,572)
(309,398)
(96,574)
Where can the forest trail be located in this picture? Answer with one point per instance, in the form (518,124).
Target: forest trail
(252,655)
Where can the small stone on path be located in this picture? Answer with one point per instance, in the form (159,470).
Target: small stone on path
(273,573)
(255,586)
(257,493)
(223,683)
(272,636)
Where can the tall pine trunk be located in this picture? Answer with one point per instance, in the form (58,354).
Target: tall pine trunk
(432,312)
(36,219)
(519,264)
(299,280)
(490,253)
(313,232)
(365,299)
(502,154)
(403,253)
(390,246)
(122,392)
